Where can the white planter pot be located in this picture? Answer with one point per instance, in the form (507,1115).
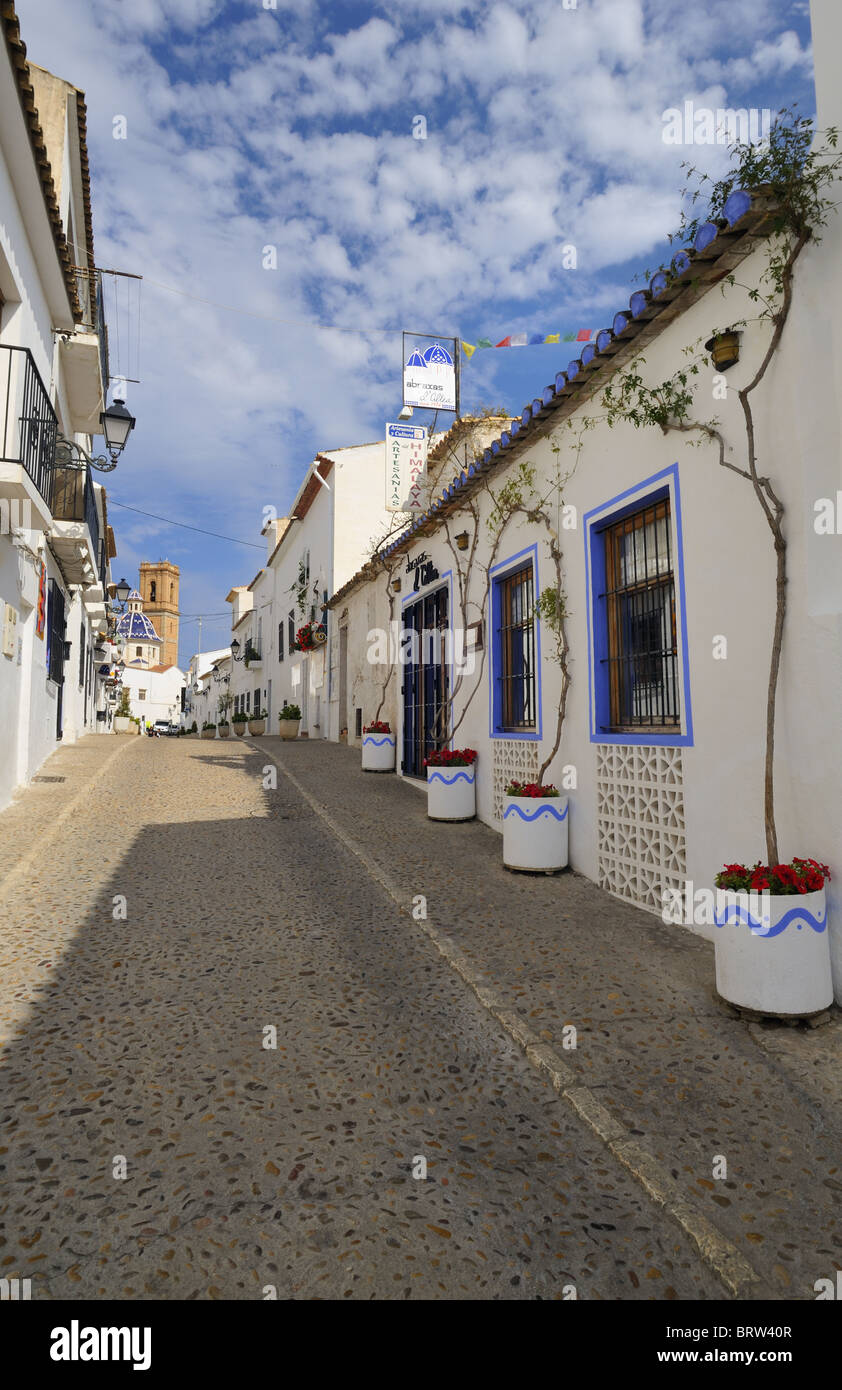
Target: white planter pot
(773,952)
(289,727)
(209,733)
(452,793)
(224,730)
(257,727)
(535,833)
(379,752)
(240,729)
(123,725)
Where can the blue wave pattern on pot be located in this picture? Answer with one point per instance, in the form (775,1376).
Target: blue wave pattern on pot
(448,781)
(378,742)
(734,913)
(524,815)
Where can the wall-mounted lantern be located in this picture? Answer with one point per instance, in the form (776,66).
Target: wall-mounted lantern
(462,540)
(724,349)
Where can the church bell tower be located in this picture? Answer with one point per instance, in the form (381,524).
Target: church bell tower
(159,591)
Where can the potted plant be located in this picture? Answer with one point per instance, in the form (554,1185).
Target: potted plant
(310,636)
(534,827)
(224,704)
(290,719)
(122,714)
(451,784)
(239,721)
(772,946)
(194,728)
(257,722)
(378,747)
(208,730)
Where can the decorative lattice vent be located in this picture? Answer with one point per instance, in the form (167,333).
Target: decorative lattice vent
(640,822)
(516,757)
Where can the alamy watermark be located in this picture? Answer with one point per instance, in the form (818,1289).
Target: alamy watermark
(704,125)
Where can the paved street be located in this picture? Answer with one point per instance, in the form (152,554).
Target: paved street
(249,1166)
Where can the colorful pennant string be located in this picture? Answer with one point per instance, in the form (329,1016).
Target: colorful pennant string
(584,335)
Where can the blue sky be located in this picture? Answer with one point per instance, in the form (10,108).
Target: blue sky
(250,126)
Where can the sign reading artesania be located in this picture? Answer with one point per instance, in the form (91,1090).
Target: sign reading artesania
(429,372)
(406,465)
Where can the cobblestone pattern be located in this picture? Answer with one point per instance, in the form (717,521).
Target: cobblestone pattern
(251,1168)
(683,1075)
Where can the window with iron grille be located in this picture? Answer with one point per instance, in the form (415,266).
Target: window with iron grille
(56,632)
(639,599)
(515,694)
(291,631)
(280,641)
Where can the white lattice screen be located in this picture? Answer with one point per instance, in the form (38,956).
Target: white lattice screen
(640,822)
(516,757)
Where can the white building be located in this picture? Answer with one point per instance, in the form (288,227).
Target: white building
(201,694)
(155,693)
(55,542)
(335,521)
(668,577)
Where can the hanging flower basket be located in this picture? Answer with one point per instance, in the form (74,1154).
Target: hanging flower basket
(772,945)
(451,784)
(378,748)
(310,636)
(534,828)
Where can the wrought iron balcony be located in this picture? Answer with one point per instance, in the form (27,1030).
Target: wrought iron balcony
(75,533)
(28,426)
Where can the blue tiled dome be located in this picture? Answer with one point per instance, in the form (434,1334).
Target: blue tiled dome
(136,627)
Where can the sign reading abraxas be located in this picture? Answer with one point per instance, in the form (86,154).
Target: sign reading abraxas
(430,378)
(406,465)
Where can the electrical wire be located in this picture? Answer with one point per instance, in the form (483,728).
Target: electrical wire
(183,524)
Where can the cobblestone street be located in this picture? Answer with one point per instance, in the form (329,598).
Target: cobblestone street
(249,1166)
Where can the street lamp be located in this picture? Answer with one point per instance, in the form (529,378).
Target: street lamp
(117,424)
(235,647)
(122,591)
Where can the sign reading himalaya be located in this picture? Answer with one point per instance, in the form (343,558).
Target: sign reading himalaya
(406,464)
(429,372)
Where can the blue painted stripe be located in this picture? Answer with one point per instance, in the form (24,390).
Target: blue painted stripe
(734,913)
(434,776)
(378,742)
(544,807)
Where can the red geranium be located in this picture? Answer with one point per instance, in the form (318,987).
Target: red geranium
(801,876)
(378,727)
(451,757)
(531,789)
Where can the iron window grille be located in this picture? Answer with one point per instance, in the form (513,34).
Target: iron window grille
(641,626)
(517,650)
(280,641)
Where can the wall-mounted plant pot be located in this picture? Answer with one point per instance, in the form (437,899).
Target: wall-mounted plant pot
(289,727)
(773,952)
(452,793)
(257,727)
(535,833)
(378,752)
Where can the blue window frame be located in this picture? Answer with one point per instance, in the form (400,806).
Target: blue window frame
(515,685)
(638,667)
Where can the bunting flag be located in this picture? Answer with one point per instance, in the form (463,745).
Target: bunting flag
(584,335)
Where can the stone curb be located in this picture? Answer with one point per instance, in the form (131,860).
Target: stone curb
(722,1256)
(23,865)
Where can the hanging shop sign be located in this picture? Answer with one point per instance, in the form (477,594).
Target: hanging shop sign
(424,570)
(406,467)
(430,376)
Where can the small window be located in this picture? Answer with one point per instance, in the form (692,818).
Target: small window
(515,684)
(359,722)
(291,630)
(640,618)
(138,651)
(141,694)
(280,641)
(152,592)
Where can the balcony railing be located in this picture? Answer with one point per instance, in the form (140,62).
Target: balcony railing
(74,500)
(29,425)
